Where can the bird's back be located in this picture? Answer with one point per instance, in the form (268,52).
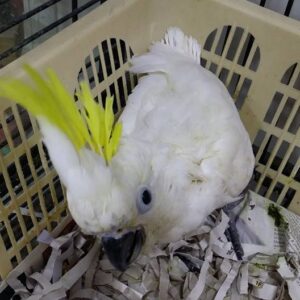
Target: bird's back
(182,106)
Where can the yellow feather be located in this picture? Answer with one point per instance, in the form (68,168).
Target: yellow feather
(108,124)
(115,139)
(48,98)
(93,115)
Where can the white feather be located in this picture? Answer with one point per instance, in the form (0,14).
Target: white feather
(187,118)
(182,138)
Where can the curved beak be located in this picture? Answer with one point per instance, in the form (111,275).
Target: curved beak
(123,247)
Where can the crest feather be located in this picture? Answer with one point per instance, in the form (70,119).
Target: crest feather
(48,98)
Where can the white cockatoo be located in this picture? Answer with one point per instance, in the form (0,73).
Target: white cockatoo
(178,151)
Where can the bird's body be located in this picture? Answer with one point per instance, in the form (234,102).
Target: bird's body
(182,141)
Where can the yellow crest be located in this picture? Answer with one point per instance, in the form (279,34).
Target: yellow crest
(48,98)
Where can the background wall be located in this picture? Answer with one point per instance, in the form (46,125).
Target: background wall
(289,8)
(25,24)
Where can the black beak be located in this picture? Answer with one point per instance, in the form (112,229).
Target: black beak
(123,247)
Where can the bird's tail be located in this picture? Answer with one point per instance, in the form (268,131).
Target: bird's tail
(175,46)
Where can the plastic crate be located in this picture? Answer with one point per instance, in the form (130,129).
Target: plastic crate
(255,52)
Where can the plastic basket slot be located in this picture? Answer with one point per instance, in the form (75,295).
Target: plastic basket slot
(12,127)
(289,196)
(291,162)
(280,155)
(27,174)
(36,206)
(59,191)
(276,191)
(264,187)
(25,121)
(4,194)
(14,179)
(5,236)
(4,147)
(47,198)
(285,113)
(37,162)
(288,75)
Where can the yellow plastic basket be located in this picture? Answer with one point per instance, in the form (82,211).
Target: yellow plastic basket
(255,52)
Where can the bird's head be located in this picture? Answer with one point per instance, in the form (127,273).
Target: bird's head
(149,202)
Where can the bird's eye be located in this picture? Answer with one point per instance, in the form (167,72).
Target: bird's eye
(144,200)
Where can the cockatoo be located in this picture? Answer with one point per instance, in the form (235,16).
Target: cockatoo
(178,151)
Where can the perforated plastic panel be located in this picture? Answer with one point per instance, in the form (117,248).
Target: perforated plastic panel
(276,144)
(234,56)
(253,51)
(31,194)
(106,70)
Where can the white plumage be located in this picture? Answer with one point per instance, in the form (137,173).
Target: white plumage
(182,139)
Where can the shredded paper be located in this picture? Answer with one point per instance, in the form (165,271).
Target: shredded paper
(202,266)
